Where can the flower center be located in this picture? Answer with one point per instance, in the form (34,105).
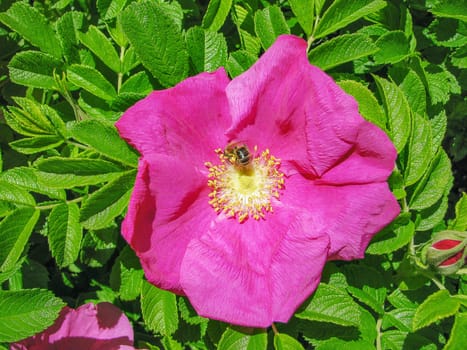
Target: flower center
(243,185)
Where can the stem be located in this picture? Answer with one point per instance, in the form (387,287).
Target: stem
(274,329)
(120,74)
(51,206)
(378,335)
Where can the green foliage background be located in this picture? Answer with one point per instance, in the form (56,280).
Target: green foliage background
(69,68)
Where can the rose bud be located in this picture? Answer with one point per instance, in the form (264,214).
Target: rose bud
(447,254)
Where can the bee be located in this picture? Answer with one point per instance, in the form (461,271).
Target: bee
(238,154)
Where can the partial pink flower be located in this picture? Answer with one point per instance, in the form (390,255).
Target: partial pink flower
(91,327)
(245,188)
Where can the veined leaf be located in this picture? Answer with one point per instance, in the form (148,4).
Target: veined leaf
(16,195)
(108,202)
(367,102)
(101,46)
(239,61)
(434,184)
(15,230)
(36,144)
(284,341)
(436,307)
(330,304)
(216,14)
(157,41)
(341,49)
(67,30)
(24,313)
(393,47)
(33,26)
(460,221)
(64,233)
(127,275)
(434,214)
(91,80)
(419,150)
(207,49)
(451,9)
(35,69)
(26,178)
(159,309)
(238,338)
(303,10)
(58,172)
(397,111)
(458,336)
(269,24)
(391,238)
(342,13)
(104,138)
(109,9)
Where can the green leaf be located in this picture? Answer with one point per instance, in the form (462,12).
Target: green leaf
(434,184)
(436,307)
(441,84)
(67,30)
(216,14)
(26,178)
(159,309)
(109,9)
(91,80)
(102,47)
(243,338)
(331,304)
(64,233)
(391,238)
(35,69)
(303,10)
(401,318)
(438,127)
(36,144)
(342,13)
(207,49)
(58,172)
(393,47)
(269,24)
(433,215)
(460,221)
(104,138)
(367,103)
(127,275)
(397,111)
(102,206)
(239,61)
(24,313)
(414,90)
(284,341)
(33,26)
(138,83)
(15,230)
(451,9)
(157,41)
(458,336)
(98,247)
(14,194)
(341,49)
(419,150)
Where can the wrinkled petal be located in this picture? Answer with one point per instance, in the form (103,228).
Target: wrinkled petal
(188,120)
(168,207)
(257,272)
(94,327)
(353,214)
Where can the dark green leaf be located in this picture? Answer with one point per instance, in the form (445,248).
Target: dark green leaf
(269,24)
(159,309)
(207,49)
(451,9)
(216,14)
(33,26)
(24,313)
(15,230)
(104,138)
(157,41)
(91,80)
(393,47)
(127,275)
(342,49)
(36,144)
(34,69)
(102,206)
(64,233)
(342,13)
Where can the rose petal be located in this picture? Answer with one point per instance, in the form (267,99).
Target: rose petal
(353,214)
(169,207)
(188,120)
(257,272)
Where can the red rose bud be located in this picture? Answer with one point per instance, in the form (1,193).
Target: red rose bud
(447,254)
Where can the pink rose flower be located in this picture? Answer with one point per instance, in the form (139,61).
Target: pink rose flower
(244,229)
(91,327)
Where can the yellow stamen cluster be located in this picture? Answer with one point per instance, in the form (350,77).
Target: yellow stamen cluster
(245,191)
